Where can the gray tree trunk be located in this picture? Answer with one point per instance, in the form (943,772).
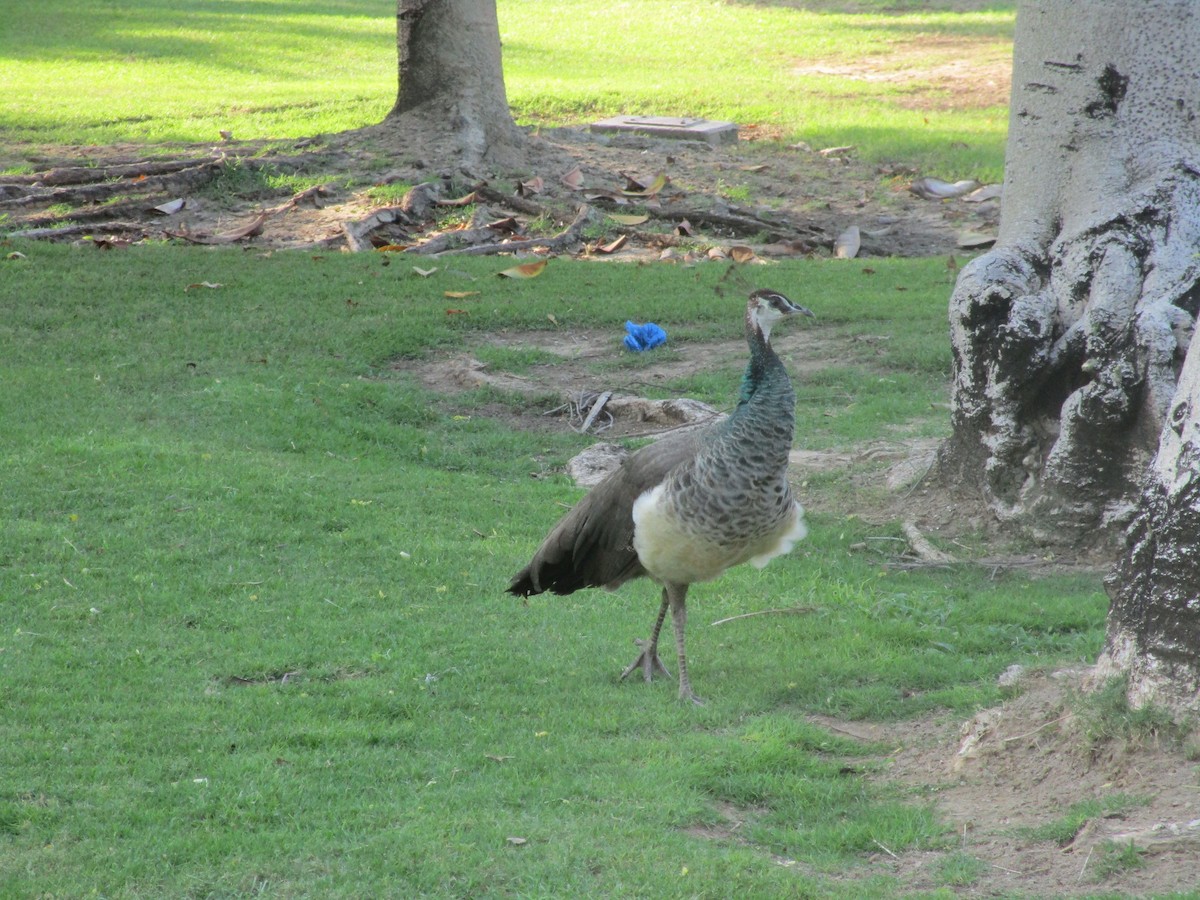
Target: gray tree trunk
(1068,336)
(451,80)
(1154,619)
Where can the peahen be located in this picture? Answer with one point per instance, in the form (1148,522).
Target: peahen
(688,507)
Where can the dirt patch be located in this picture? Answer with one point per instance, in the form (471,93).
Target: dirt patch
(1020,767)
(936,71)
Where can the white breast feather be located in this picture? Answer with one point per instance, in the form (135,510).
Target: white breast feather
(670,552)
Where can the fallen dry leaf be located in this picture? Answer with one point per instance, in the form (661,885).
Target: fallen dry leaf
(458,312)
(573,179)
(498,759)
(717,253)
(621,219)
(460,295)
(169,208)
(612,246)
(424,273)
(936,189)
(637,188)
(16,254)
(392,248)
(741,253)
(507,225)
(203,284)
(517,841)
(533,186)
(525,270)
(760,168)
(465,200)
(553,321)
(685,229)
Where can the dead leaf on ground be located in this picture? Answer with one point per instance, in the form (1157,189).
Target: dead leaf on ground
(248,230)
(534,185)
(392,248)
(622,219)
(517,841)
(936,189)
(741,253)
(424,273)
(759,168)
(508,225)
(573,179)
(525,270)
(685,229)
(837,151)
(498,759)
(203,284)
(16,254)
(614,197)
(111,244)
(170,207)
(613,246)
(465,200)
(636,187)
(848,243)
(459,295)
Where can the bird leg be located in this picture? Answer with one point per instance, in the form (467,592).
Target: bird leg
(676,594)
(648,660)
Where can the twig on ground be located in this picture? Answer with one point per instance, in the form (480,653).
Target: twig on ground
(568,237)
(791,610)
(920,546)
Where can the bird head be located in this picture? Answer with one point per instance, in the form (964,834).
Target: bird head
(767,307)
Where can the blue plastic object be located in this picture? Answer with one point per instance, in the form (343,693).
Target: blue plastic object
(643,337)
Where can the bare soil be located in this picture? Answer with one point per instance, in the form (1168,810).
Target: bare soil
(995,777)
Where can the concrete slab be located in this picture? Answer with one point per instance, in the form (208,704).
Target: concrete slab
(676,127)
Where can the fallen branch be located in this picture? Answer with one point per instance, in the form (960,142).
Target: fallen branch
(95,174)
(568,237)
(411,210)
(920,546)
(251,228)
(62,231)
(228,237)
(173,182)
(509,201)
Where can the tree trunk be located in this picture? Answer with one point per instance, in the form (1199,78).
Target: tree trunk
(451,80)
(1154,620)
(1068,336)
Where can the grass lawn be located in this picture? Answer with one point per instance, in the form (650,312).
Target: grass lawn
(182,70)
(254,638)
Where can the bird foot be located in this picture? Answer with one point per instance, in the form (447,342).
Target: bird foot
(685,693)
(647,661)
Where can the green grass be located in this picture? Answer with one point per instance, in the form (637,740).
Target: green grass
(1064,829)
(253,631)
(171,71)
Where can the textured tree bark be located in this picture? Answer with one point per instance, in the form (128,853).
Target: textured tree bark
(1068,336)
(1154,620)
(451,80)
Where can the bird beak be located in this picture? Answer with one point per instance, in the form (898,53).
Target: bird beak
(802,310)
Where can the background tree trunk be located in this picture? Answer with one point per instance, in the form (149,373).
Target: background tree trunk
(1069,335)
(451,80)
(1154,620)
